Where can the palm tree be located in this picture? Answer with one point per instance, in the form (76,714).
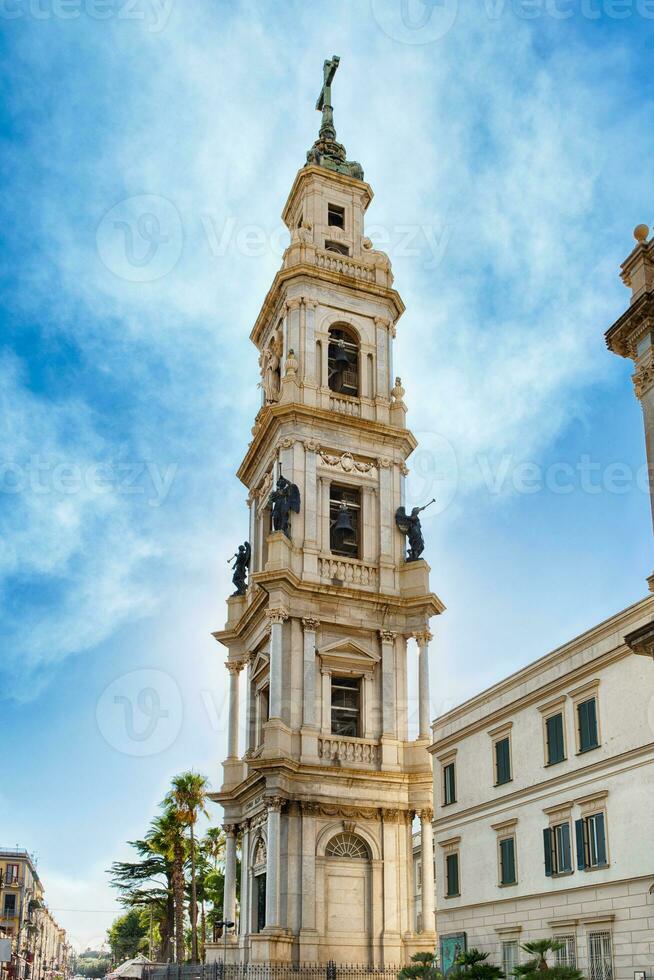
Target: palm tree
(534,969)
(213,845)
(187,800)
(168,834)
(539,948)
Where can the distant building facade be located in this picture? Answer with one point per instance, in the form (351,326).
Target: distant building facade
(543,816)
(40,950)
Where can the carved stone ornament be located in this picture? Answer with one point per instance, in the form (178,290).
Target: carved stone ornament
(311,445)
(276,616)
(233,667)
(384,462)
(643,379)
(260,855)
(398,392)
(231,829)
(423,637)
(275,803)
(387,636)
(311,625)
(346,462)
(426,814)
(291,365)
(269,363)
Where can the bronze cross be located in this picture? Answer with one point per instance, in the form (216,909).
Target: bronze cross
(329,70)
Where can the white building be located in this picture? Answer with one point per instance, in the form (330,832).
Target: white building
(323,793)
(544,805)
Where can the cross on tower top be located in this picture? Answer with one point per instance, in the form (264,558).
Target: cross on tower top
(329,70)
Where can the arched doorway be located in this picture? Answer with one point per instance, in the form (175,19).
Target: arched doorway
(348,895)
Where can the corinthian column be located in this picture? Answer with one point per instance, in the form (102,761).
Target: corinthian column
(276,618)
(229,905)
(388,682)
(424,701)
(309,693)
(232,737)
(272,862)
(427,860)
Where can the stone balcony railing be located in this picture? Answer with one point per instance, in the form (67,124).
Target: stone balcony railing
(345,404)
(355,751)
(344,265)
(351,571)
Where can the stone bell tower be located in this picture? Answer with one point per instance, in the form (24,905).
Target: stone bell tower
(324,793)
(632,336)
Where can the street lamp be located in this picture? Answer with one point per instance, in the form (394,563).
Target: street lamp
(225,925)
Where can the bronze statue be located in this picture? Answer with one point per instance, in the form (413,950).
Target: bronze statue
(284,499)
(409,524)
(241,567)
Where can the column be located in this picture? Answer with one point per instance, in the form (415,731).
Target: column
(245,879)
(250,720)
(388,682)
(424,699)
(309,688)
(232,737)
(229,904)
(323,483)
(276,618)
(272,863)
(427,860)
(309,866)
(386,517)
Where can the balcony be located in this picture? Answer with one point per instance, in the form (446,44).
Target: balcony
(349,571)
(347,751)
(344,265)
(345,404)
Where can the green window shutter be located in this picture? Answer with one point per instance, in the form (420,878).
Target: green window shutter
(580,833)
(547,847)
(600,838)
(565,856)
(587,712)
(502,761)
(452,872)
(449,784)
(555,747)
(507,861)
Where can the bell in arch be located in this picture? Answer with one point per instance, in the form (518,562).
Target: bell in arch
(341,360)
(343,523)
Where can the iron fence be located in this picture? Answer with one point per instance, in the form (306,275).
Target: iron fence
(270,971)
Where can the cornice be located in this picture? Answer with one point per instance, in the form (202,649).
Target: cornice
(271,418)
(618,336)
(316,274)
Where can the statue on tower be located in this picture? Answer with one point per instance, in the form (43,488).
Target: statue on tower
(326,152)
(284,499)
(241,567)
(409,525)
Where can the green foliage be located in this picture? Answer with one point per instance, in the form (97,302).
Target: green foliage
(94,968)
(423,967)
(534,968)
(472,965)
(128,934)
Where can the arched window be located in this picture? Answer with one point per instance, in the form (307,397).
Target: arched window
(343,361)
(348,846)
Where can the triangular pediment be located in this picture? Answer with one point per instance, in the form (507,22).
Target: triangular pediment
(348,654)
(259,664)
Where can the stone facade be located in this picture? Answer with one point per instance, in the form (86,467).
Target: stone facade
(567,742)
(322,797)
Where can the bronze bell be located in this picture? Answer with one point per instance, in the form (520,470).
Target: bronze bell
(344,521)
(341,360)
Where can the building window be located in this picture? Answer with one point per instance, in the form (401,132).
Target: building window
(343,361)
(452,875)
(591,842)
(567,954)
(346,698)
(507,861)
(449,784)
(348,846)
(344,523)
(11,874)
(337,247)
(9,907)
(502,749)
(558,853)
(509,957)
(335,216)
(600,956)
(555,739)
(587,724)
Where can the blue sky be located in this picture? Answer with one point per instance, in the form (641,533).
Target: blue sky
(508,148)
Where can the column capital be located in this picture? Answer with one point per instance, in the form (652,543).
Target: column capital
(293,303)
(382,321)
(311,445)
(234,667)
(310,624)
(275,803)
(423,637)
(231,829)
(426,814)
(387,636)
(643,379)
(384,462)
(275,616)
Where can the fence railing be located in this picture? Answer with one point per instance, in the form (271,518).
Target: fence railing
(270,971)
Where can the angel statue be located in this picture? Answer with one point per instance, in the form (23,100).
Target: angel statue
(269,362)
(284,499)
(241,567)
(409,524)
